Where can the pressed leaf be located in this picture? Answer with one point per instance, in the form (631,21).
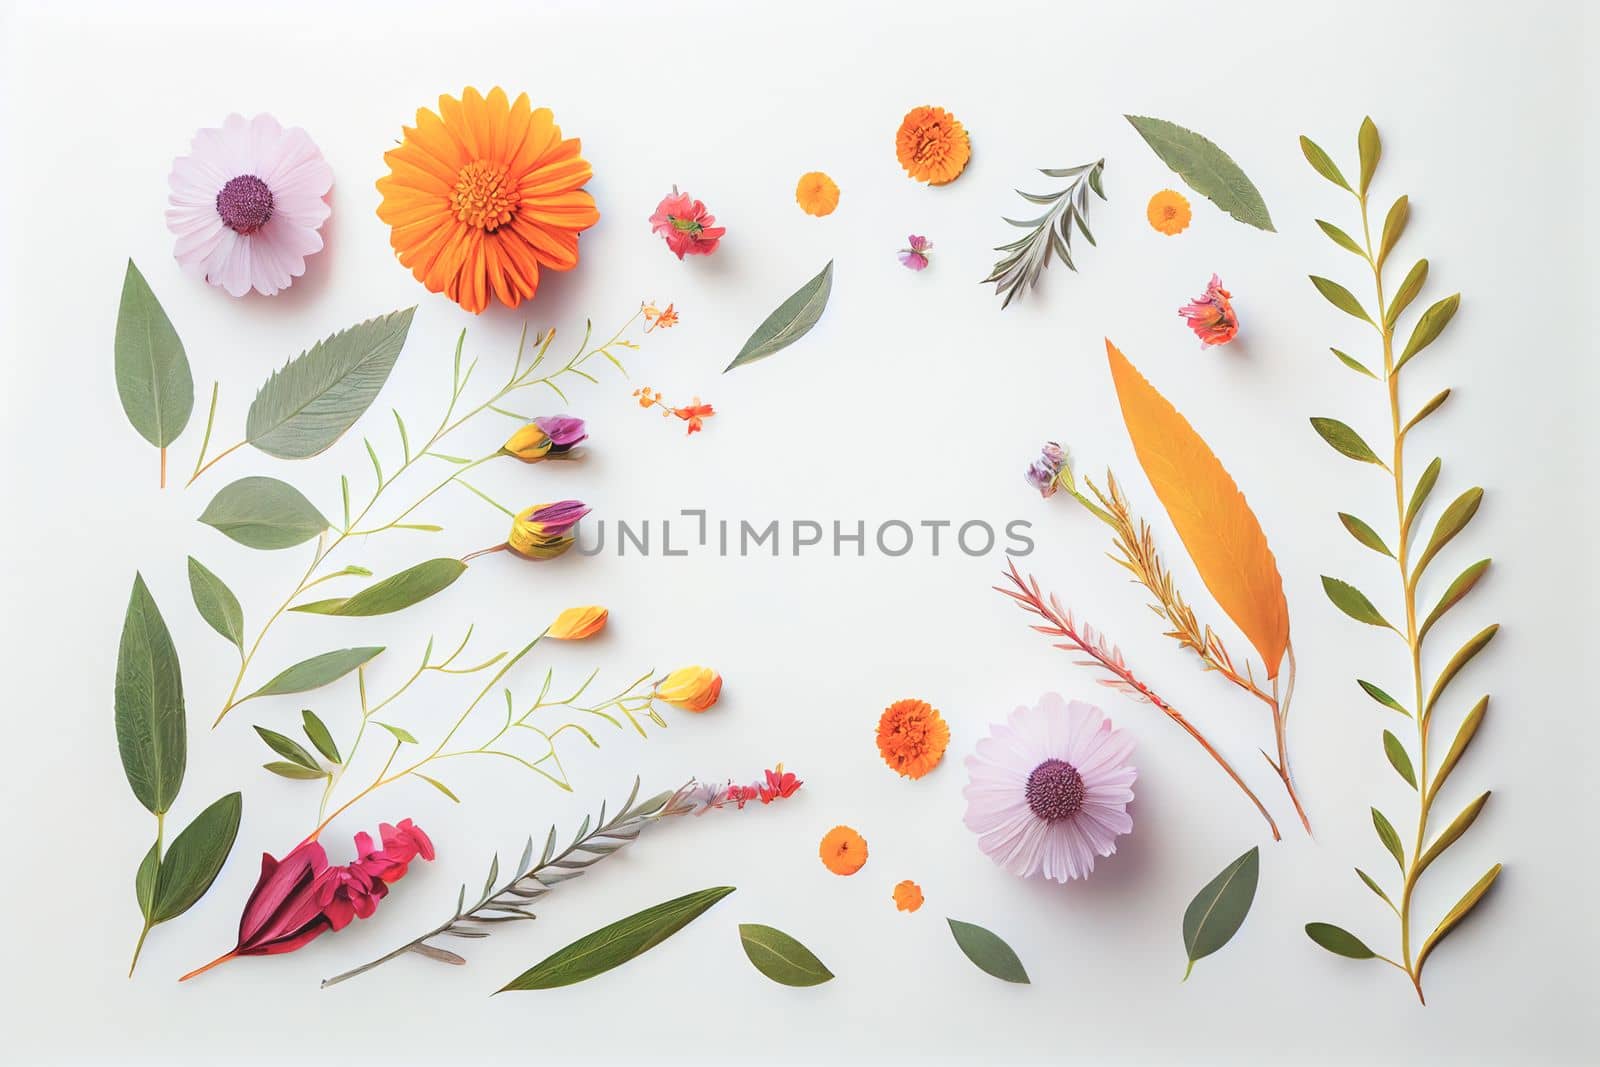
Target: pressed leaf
(310,402)
(1219,909)
(1389,837)
(1344,440)
(1340,297)
(1322,163)
(791,321)
(289,749)
(1474,645)
(780,957)
(317,671)
(1394,224)
(152,733)
(1424,486)
(1338,941)
(1216,525)
(1410,287)
(1340,238)
(395,593)
(616,944)
(144,880)
(195,857)
(1206,169)
(400,733)
(1371,150)
(1383,698)
(1458,747)
(319,735)
(264,513)
(1429,327)
(1364,533)
(1373,885)
(1427,409)
(1457,913)
(1352,363)
(987,952)
(1452,522)
(1453,594)
(1399,758)
(441,787)
(1453,832)
(216,603)
(1353,602)
(285,769)
(153,379)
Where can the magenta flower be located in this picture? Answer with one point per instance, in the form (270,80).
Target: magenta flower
(916,257)
(689,229)
(247,204)
(1211,315)
(566,432)
(1049,789)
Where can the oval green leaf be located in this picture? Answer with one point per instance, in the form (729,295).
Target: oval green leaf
(791,321)
(263,513)
(1340,297)
(1372,884)
(1338,941)
(1399,758)
(1453,595)
(1453,832)
(1429,327)
(153,379)
(216,603)
(1206,169)
(1364,533)
(1383,698)
(1424,486)
(1394,224)
(780,957)
(289,749)
(1371,151)
(152,733)
(196,856)
(316,671)
(308,404)
(1390,837)
(616,944)
(319,735)
(1427,409)
(395,593)
(1340,238)
(1452,522)
(1344,440)
(988,952)
(1322,163)
(1410,287)
(1353,602)
(1353,363)
(293,771)
(1219,909)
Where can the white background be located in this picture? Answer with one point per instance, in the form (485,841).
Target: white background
(916,398)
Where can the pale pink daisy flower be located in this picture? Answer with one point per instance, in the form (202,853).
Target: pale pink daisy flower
(1049,789)
(247,203)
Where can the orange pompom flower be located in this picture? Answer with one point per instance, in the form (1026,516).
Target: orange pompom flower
(932,145)
(1169,212)
(483,194)
(908,896)
(576,624)
(912,737)
(843,851)
(816,194)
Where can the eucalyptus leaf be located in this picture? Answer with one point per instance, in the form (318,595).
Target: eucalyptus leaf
(1365,534)
(293,771)
(153,378)
(1340,297)
(289,749)
(1453,595)
(1219,909)
(1339,941)
(1453,918)
(395,593)
(195,858)
(317,671)
(1390,837)
(1399,758)
(1206,169)
(1322,163)
(216,603)
(1383,698)
(1371,151)
(1458,747)
(1353,602)
(616,944)
(319,735)
(792,320)
(780,957)
(310,402)
(264,513)
(1429,327)
(152,733)
(988,952)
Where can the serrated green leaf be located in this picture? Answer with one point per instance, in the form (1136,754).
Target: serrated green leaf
(195,858)
(792,320)
(1453,595)
(1371,151)
(1364,533)
(1424,486)
(1390,838)
(1429,327)
(1322,163)
(400,733)
(616,944)
(144,880)
(264,513)
(1463,656)
(1399,758)
(317,671)
(988,952)
(395,593)
(1342,239)
(1340,297)
(1206,169)
(1353,602)
(1427,409)
(1339,941)
(1383,698)
(1458,747)
(1219,909)
(285,769)
(310,402)
(289,749)
(216,603)
(152,371)
(1453,832)
(1345,440)
(319,735)
(1410,287)
(1453,919)
(152,732)
(441,787)
(1452,522)
(1352,363)
(1373,885)
(1394,224)
(780,957)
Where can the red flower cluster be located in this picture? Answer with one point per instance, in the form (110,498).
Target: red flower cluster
(779,785)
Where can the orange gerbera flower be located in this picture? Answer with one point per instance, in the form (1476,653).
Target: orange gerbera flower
(816,194)
(482,195)
(932,145)
(843,851)
(912,737)
(1168,212)
(908,896)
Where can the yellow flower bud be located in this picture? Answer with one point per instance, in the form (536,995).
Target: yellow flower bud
(575,624)
(529,444)
(544,531)
(690,688)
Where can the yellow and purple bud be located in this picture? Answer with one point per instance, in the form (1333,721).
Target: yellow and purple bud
(548,435)
(544,531)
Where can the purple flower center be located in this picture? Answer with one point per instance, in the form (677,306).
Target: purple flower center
(1055,790)
(245,204)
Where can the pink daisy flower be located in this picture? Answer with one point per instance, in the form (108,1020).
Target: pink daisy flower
(689,229)
(247,203)
(1211,316)
(1049,789)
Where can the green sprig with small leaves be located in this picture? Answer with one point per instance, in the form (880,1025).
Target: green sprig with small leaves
(1050,234)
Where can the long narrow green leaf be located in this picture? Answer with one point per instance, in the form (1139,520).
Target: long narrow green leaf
(1389,837)
(1463,656)
(1353,602)
(1429,327)
(152,732)
(1453,595)
(1339,941)
(789,322)
(1372,884)
(1424,486)
(317,671)
(1371,151)
(1427,409)
(780,957)
(1345,441)
(1399,758)
(1452,522)
(1342,239)
(1458,747)
(1453,919)
(1322,163)
(1394,224)
(289,749)
(1365,534)
(1340,297)
(1409,289)
(1383,698)
(1453,832)
(1352,363)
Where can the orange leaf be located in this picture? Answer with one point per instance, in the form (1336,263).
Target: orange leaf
(1217,527)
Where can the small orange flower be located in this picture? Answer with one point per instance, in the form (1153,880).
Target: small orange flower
(932,145)
(816,194)
(659,319)
(843,851)
(1168,212)
(908,896)
(690,688)
(694,414)
(576,624)
(912,737)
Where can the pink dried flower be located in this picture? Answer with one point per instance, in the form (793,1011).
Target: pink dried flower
(916,257)
(1211,315)
(689,229)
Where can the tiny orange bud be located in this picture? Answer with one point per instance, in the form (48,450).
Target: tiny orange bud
(576,624)
(690,688)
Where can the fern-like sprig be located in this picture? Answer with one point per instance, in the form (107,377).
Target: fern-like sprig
(1051,233)
(1415,765)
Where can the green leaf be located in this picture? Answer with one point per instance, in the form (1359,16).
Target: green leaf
(1420,492)
(1457,913)
(1345,441)
(1322,163)
(264,513)
(1340,238)
(1219,909)
(289,749)
(1394,224)
(216,603)
(1410,287)
(1452,522)
(317,671)
(1429,327)
(1427,409)
(1338,941)
(616,944)
(990,954)
(144,881)
(791,321)
(441,787)
(1389,837)
(395,593)
(1371,152)
(319,735)
(1383,698)
(1458,747)
(1453,594)
(1352,363)
(1353,602)
(400,733)
(152,733)
(1474,645)
(1206,169)
(780,957)
(1373,885)
(314,398)
(1365,534)
(153,379)
(285,769)
(1399,758)
(196,856)
(1453,832)
(1341,298)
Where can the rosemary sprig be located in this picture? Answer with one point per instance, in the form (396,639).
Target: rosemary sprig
(1051,233)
